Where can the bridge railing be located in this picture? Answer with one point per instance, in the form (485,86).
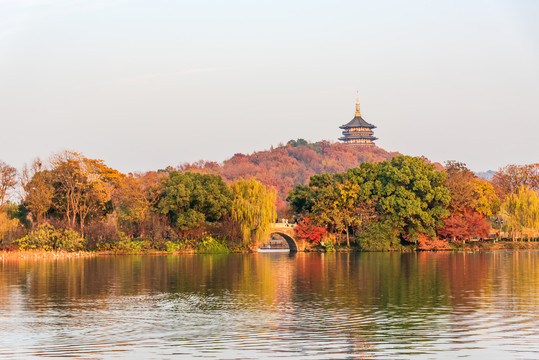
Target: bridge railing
(281,225)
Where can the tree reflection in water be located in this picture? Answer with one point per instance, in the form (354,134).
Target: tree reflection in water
(387,305)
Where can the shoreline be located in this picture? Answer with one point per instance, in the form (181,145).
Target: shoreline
(51,254)
(498,245)
(43,254)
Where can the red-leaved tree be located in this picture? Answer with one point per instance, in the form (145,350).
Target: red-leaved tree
(465,225)
(309,232)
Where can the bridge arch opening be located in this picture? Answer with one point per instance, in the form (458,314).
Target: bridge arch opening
(289,240)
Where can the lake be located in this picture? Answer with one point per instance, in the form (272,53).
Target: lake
(439,305)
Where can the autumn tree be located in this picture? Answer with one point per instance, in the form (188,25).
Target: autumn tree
(484,199)
(134,200)
(332,202)
(511,177)
(340,206)
(465,225)
(308,231)
(82,187)
(253,208)
(472,200)
(459,181)
(39,194)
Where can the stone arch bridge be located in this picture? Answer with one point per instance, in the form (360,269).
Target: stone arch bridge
(288,233)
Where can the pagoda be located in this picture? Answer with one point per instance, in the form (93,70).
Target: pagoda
(358,131)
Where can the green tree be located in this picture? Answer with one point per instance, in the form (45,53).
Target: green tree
(192,199)
(253,208)
(410,195)
(301,199)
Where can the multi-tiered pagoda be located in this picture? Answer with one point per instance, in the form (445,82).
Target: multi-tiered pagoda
(358,131)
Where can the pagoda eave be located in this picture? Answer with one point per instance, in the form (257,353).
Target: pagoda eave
(344,127)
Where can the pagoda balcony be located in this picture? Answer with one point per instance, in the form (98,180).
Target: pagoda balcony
(358,136)
(359,133)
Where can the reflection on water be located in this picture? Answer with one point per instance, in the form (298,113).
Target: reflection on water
(372,305)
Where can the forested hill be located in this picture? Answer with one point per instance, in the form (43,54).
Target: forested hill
(285,166)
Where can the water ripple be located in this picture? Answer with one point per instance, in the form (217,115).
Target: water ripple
(273,307)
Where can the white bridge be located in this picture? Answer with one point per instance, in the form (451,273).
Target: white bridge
(288,233)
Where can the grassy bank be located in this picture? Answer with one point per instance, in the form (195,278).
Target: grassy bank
(499,245)
(43,254)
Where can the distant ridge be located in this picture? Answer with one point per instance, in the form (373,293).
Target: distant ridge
(487,175)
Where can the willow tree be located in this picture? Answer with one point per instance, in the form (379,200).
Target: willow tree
(253,208)
(521,211)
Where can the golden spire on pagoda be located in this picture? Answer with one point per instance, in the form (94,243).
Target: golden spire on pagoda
(357,105)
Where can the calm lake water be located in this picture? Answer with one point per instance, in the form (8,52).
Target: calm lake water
(240,306)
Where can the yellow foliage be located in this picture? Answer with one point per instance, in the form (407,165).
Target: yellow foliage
(485,201)
(253,208)
(521,210)
(7,225)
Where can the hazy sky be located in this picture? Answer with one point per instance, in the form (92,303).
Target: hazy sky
(146,84)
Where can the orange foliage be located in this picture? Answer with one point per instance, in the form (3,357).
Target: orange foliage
(428,244)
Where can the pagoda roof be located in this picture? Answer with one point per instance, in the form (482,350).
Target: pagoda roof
(357,121)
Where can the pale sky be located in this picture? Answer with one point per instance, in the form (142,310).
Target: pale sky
(146,84)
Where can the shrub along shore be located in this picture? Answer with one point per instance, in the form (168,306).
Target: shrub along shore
(16,254)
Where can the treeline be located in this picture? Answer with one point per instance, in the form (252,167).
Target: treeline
(340,195)
(76,203)
(406,200)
